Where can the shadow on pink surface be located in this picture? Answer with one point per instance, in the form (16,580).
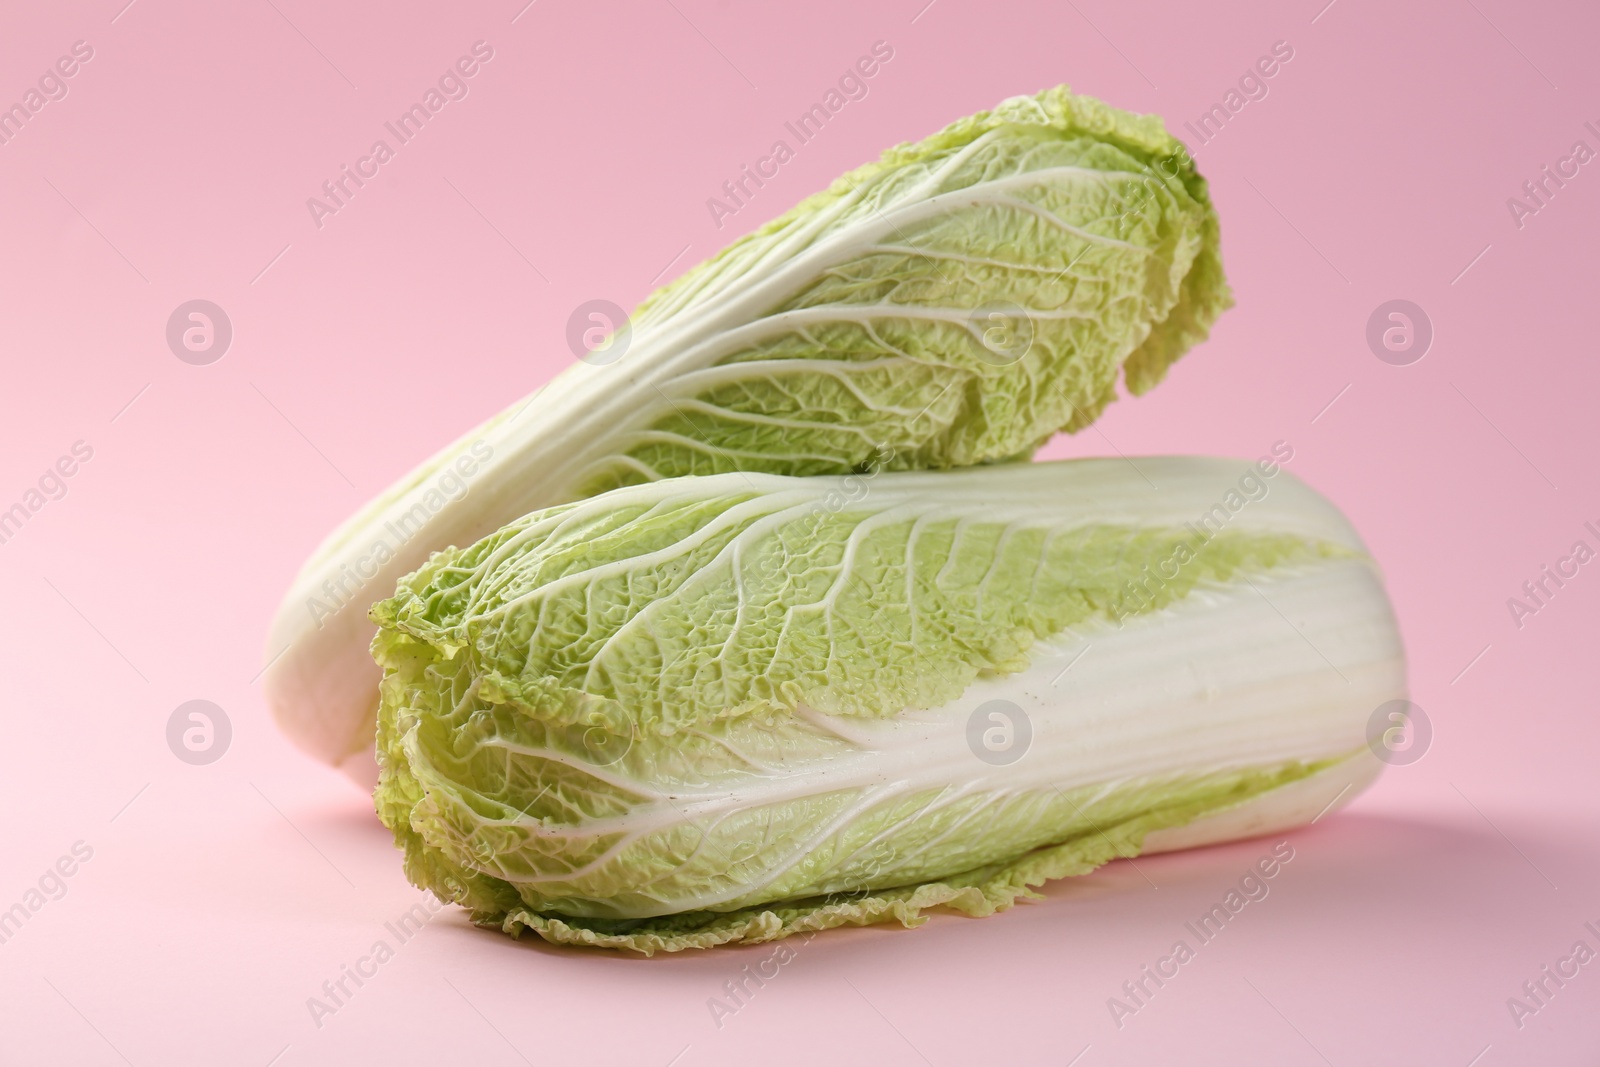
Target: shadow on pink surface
(1324,877)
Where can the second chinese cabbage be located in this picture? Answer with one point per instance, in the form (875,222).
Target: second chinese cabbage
(734,707)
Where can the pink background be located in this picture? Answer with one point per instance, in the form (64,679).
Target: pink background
(222,896)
